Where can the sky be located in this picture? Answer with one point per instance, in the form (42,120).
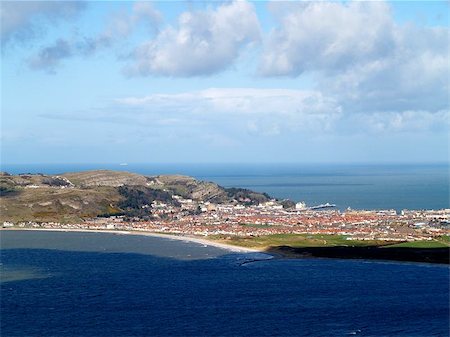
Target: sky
(224,82)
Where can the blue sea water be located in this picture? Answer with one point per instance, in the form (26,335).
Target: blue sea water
(413,186)
(92,284)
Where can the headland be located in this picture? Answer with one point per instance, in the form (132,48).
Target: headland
(183,208)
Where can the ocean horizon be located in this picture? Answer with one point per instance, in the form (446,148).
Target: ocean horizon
(358,186)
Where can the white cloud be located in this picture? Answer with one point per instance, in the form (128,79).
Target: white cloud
(256,111)
(204,42)
(273,112)
(414,77)
(406,121)
(24,20)
(237,101)
(327,36)
(357,53)
(122,24)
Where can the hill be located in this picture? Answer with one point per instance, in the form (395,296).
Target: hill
(75,196)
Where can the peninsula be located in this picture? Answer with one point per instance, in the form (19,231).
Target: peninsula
(181,205)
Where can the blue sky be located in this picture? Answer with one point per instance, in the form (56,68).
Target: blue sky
(108,82)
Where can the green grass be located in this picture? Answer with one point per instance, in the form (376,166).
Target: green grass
(316,240)
(438,243)
(253,225)
(293,240)
(445,239)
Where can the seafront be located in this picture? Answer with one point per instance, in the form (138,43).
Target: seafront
(384,251)
(182,205)
(183,208)
(198,240)
(228,220)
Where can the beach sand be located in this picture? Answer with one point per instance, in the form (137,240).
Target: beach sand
(152,234)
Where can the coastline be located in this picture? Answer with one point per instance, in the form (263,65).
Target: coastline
(369,253)
(198,240)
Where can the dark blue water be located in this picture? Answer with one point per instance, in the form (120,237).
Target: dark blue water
(414,186)
(95,288)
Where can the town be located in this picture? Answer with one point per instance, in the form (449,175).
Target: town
(191,217)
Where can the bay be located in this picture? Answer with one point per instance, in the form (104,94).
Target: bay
(99,284)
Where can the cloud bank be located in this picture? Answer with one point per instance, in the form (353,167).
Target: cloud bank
(368,74)
(358,53)
(271,112)
(203,43)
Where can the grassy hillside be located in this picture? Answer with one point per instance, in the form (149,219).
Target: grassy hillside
(105,178)
(50,204)
(73,196)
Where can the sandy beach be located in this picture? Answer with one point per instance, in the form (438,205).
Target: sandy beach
(152,234)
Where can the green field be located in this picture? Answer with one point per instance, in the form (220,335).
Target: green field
(442,242)
(316,240)
(293,240)
(256,225)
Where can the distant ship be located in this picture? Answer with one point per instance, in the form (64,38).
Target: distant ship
(123,164)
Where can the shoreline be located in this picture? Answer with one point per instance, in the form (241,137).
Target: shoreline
(370,253)
(198,240)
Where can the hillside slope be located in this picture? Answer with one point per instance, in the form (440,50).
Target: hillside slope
(72,197)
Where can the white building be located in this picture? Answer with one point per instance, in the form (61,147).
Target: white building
(300,205)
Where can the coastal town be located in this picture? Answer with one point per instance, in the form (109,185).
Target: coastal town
(200,218)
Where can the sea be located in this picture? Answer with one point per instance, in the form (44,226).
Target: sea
(358,186)
(105,284)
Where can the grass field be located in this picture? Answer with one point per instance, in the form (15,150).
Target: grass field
(315,240)
(293,240)
(441,242)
